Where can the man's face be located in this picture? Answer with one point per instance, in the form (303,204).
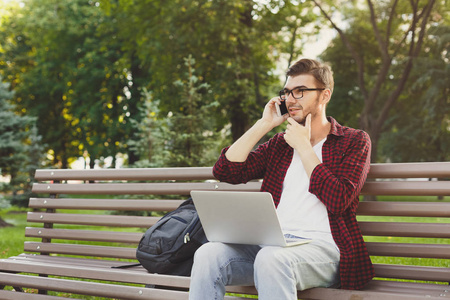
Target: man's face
(309,103)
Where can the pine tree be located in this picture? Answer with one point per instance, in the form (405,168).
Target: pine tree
(186,136)
(20,152)
(190,129)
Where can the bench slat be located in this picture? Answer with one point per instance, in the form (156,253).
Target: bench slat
(384,170)
(376,289)
(410,170)
(374,248)
(90,288)
(367,228)
(86,268)
(408,209)
(187,173)
(84,235)
(409,250)
(415,288)
(84,250)
(105,204)
(406,188)
(179,188)
(94,220)
(75,261)
(403,229)
(338,294)
(412,272)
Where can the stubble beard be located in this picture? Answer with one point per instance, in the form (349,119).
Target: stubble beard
(313,111)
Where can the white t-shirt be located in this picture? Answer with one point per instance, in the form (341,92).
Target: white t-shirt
(301,213)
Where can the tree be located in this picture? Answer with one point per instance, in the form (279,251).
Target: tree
(420,132)
(397,29)
(184,138)
(191,134)
(20,153)
(67,69)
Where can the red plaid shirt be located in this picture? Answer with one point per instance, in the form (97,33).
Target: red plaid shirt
(337,182)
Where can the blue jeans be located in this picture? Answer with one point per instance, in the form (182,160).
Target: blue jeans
(276,272)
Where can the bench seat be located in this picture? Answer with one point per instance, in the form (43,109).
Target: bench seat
(95,269)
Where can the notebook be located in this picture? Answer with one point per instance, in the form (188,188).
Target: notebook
(241,218)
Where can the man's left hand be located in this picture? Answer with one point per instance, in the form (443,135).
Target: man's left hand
(296,135)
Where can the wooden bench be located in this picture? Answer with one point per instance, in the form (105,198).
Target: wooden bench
(81,227)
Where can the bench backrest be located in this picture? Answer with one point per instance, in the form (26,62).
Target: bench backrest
(87,212)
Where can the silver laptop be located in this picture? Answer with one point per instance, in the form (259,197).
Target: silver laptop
(241,218)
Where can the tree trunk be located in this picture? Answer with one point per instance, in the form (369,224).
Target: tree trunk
(375,134)
(239,120)
(139,75)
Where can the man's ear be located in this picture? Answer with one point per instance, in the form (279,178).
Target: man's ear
(326,96)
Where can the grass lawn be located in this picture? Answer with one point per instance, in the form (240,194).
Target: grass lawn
(12,238)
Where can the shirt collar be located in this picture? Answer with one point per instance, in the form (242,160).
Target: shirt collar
(336,128)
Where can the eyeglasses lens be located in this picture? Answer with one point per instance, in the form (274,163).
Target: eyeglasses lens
(297,93)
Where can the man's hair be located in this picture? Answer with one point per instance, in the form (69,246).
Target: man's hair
(321,72)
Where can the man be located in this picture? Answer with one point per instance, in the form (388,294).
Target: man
(315,171)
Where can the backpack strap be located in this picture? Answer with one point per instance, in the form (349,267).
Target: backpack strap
(126,266)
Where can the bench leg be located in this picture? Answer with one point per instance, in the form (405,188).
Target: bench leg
(42,292)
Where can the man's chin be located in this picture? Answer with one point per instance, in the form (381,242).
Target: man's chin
(300,120)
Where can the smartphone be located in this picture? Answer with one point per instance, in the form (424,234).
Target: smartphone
(281,109)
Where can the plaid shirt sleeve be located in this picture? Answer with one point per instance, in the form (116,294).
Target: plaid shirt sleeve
(255,166)
(240,172)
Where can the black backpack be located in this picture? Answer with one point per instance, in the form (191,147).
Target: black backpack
(168,247)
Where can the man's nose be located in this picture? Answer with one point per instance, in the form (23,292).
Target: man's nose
(290,99)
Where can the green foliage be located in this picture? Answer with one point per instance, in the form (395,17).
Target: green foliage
(21,151)
(81,68)
(186,136)
(67,70)
(235,43)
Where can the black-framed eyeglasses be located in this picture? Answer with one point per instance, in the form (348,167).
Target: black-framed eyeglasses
(296,92)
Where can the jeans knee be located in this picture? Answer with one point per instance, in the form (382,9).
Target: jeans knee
(269,260)
(208,253)
(224,264)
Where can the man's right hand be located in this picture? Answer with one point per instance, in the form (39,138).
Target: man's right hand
(239,151)
(270,115)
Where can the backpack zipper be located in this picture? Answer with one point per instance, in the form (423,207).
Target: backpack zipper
(187,237)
